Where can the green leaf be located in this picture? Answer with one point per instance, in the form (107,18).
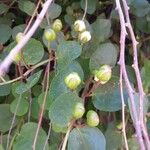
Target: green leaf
(5,32)
(22,104)
(140,8)
(5,90)
(133,144)
(1,147)
(6,118)
(113,138)
(143,24)
(33,52)
(69,19)
(91,5)
(3,8)
(41,99)
(67,51)
(17,29)
(26,137)
(55,140)
(7,19)
(35,108)
(105,54)
(54,11)
(86,138)
(61,110)
(102,29)
(31,81)
(58,83)
(107,97)
(146,74)
(137,105)
(26,6)
(89,48)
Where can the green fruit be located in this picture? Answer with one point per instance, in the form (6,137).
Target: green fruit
(79,26)
(79,110)
(49,34)
(72,81)
(57,25)
(19,36)
(92,118)
(103,74)
(17,58)
(85,37)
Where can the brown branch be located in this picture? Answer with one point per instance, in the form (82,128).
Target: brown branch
(123,112)
(4,66)
(137,73)
(125,76)
(42,108)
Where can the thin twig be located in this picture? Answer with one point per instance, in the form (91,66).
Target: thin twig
(48,135)
(30,104)
(67,136)
(42,109)
(13,121)
(137,73)
(123,112)
(85,10)
(33,15)
(4,66)
(27,72)
(125,76)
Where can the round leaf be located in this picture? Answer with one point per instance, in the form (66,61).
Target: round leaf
(54,10)
(67,51)
(26,137)
(61,110)
(86,138)
(22,104)
(91,5)
(6,118)
(105,54)
(107,97)
(33,52)
(5,32)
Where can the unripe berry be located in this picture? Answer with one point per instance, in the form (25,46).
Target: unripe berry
(19,36)
(17,58)
(79,110)
(73,80)
(50,34)
(92,118)
(57,25)
(79,26)
(103,74)
(84,37)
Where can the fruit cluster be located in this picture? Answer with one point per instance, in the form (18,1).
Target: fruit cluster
(84,35)
(73,80)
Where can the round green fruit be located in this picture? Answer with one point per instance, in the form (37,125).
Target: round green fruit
(49,34)
(79,110)
(92,118)
(79,26)
(73,80)
(57,25)
(19,36)
(85,37)
(103,74)
(17,58)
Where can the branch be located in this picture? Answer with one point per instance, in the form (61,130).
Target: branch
(27,72)
(137,72)
(125,76)
(4,66)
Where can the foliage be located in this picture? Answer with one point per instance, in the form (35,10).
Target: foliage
(37,83)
